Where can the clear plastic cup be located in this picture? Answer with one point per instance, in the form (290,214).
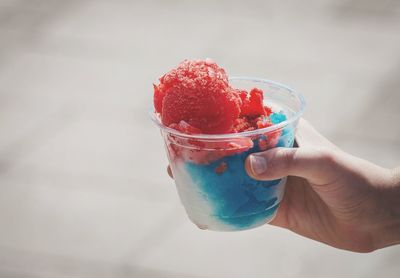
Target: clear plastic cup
(209,169)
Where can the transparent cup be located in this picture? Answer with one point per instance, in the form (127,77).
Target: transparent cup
(209,172)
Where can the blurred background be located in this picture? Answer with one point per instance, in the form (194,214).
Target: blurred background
(83,186)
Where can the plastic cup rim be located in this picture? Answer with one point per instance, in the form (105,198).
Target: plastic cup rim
(275,127)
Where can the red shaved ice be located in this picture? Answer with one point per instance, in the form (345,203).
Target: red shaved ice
(195,97)
(198,93)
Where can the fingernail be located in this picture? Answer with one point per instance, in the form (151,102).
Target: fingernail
(258,164)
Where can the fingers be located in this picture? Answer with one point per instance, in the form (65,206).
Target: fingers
(170,172)
(313,160)
(315,164)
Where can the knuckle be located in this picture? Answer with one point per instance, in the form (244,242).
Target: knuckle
(280,160)
(326,156)
(287,159)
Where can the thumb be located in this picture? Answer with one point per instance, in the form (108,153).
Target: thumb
(317,165)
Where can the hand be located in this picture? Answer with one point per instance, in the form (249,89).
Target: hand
(331,196)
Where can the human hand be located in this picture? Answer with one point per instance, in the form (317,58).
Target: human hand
(331,196)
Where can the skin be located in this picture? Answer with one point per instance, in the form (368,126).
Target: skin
(332,196)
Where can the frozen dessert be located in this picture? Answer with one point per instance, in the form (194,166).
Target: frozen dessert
(210,126)
(196,97)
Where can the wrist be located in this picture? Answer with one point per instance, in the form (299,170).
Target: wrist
(389,227)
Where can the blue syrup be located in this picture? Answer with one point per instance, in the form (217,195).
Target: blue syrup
(236,199)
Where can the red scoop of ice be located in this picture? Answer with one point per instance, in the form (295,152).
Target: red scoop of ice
(198,93)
